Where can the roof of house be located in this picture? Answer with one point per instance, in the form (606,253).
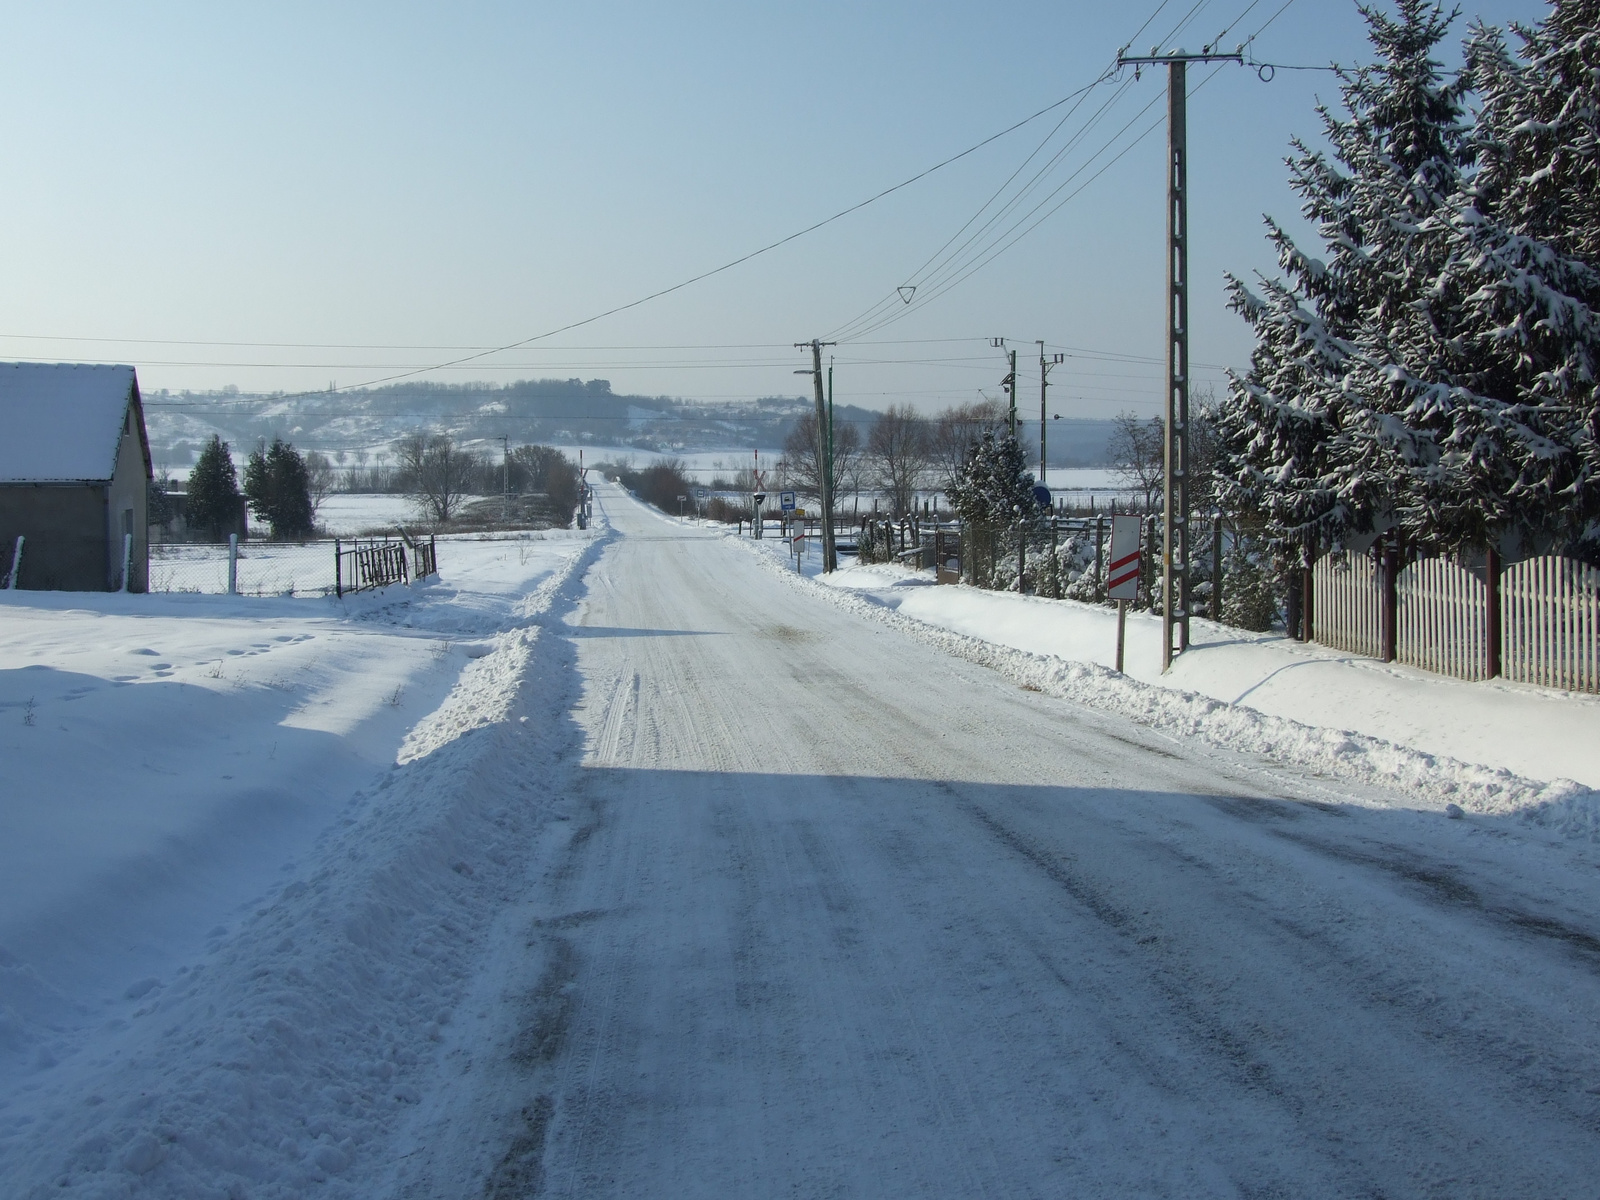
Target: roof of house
(62,422)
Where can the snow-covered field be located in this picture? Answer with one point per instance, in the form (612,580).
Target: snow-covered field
(344,514)
(258,825)
(1492,747)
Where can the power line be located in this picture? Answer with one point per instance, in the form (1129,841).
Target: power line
(783,241)
(884,314)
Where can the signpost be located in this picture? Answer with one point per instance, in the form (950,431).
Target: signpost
(1122,575)
(760,498)
(799,548)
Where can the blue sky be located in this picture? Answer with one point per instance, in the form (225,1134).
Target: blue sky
(333,178)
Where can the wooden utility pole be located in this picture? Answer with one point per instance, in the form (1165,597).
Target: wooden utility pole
(830,558)
(1175,546)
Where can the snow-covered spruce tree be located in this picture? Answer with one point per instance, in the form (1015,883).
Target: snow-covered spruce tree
(276,485)
(1527,231)
(212,502)
(1335,424)
(1538,130)
(994,488)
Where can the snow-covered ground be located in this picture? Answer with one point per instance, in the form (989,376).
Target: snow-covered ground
(627,863)
(344,514)
(247,823)
(1493,747)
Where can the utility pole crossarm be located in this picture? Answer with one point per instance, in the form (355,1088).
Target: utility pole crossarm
(1177,56)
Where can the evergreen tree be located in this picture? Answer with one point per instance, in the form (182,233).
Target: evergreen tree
(994,489)
(1337,421)
(1437,372)
(1528,230)
(1538,132)
(278,487)
(212,502)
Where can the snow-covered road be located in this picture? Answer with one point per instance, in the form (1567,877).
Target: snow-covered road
(828,912)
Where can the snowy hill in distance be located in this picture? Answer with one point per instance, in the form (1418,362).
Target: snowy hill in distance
(570,412)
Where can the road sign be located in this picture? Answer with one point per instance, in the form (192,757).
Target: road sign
(787,499)
(760,497)
(1122,575)
(700,493)
(1042,495)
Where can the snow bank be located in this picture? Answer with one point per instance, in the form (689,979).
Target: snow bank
(278,1053)
(1426,779)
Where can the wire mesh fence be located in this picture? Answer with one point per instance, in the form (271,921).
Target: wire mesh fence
(260,569)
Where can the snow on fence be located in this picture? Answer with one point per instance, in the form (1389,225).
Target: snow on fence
(1442,619)
(1551,623)
(1347,603)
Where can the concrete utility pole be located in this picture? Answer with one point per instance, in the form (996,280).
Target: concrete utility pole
(1175,480)
(1009,382)
(830,558)
(1045,363)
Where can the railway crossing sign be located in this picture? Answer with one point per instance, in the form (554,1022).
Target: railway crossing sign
(1122,574)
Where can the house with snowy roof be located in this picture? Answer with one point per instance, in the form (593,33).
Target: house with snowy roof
(74,477)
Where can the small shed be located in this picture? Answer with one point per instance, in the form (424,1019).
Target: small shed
(74,476)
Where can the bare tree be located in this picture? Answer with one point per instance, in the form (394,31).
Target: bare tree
(957,431)
(898,446)
(320,478)
(802,454)
(437,472)
(1138,454)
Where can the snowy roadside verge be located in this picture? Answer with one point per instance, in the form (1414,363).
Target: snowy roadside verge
(282,1061)
(1429,781)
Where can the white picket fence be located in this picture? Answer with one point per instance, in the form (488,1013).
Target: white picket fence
(1551,623)
(1549,617)
(1442,619)
(1347,603)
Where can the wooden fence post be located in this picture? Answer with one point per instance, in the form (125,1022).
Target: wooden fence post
(1216,567)
(338,570)
(1149,561)
(1389,608)
(1099,555)
(1055,558)
(1492,613)
(1307,608)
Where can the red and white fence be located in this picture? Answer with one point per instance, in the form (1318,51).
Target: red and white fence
(1537,621)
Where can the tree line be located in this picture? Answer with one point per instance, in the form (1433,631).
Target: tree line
(285,488)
